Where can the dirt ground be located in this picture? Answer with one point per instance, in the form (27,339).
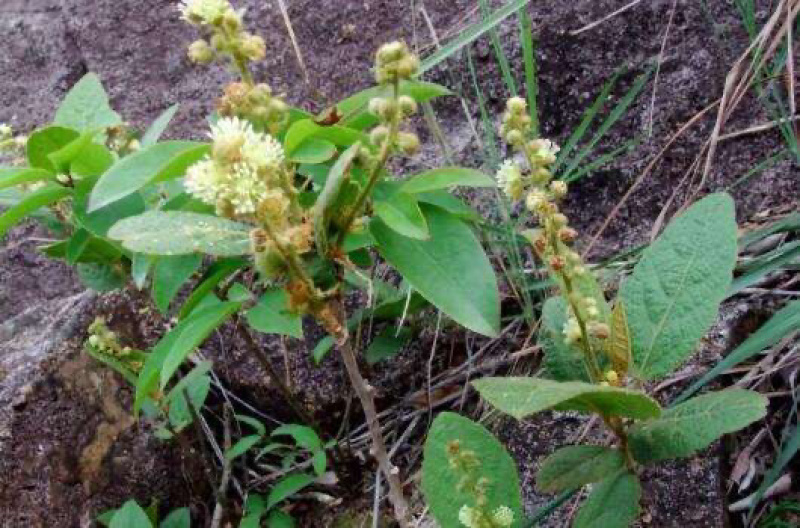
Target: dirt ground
(138,49)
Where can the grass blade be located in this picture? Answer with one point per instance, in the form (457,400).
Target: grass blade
(471,33)
(505,69)
(529,58)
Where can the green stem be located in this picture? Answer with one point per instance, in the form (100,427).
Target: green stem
(375,172)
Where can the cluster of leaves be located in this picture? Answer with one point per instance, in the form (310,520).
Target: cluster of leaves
(664,307)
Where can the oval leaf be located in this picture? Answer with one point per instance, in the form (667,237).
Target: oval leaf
(157,163)
(180,233)
(29,204)
(401,212)
(575,466)
(614,503)
(272,315)
(675,290)
(12,176)
(86,106)
(521,397)
(450,269)
(440,483)
(446,177)
(288,487)
(694,424)
(131,515)
(313,151)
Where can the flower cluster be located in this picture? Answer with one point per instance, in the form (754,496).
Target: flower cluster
(393,63)
(242,172)
(466,463)
(257,104)
(104,341)
(227,36)
(10,142)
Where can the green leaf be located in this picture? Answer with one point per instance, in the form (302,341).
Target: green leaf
(30,203)
(86,106)
(140,268)
(445,178)
(12,176)
(190,333)
(401,212)
(131,515)
(63,157)
(179,233)
(196,385)
(313,151)
(279,519)
(100,277)
(307,129)
(215,274)
(613,503)
(387,344)
(272,315)
(450,269)
(242,446)
(563,362)
(303,436)
(324,206)
(76,245)
(158,127)
(521,397)
(179,518)
(356,111)
(99,221)
(93,160)
(675,290)
(157,163)
(447,202)
(287,487)
(252,422)
(695,423)
(170,274)
(440,483)
(575,466)
(44,142)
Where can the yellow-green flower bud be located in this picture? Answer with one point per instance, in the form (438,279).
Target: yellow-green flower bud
(612,377)
(558,188)
(253,47)
(408,143)
(377,106)
(390,52)
(232,21)
(378,135)
(408,106)
(517,105)
(515,137)
(200,52)
(407,67)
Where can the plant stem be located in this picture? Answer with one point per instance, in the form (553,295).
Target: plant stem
(375,172)
(364,391)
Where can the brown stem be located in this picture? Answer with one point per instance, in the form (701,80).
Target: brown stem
(338,329)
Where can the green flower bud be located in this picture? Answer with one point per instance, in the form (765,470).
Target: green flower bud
(200,52)
(516,105)
(379,135)
(515,137)
(408,143)
(376,106)
(407,105)
(253,47)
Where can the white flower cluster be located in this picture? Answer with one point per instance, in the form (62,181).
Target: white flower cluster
(204,12)
(502,517)
(509,178)
(242,170)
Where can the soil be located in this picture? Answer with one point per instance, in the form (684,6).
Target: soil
(138,49)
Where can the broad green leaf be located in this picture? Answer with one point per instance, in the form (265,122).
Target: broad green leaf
(675,290)
(13,176)
(76,245)
(242,446)
(306,129)
(97,250)
(575,466)
(29,204)
(158,127)
(191,333)
(450,269)
(140,268)
(563,362)
(303,436)
(521,397)
(355,109)
(44,142)
(170,274)
(63,157)
(179,233)
(387,344)
(313,151)
(695,423)
(613,503)
(445,178)
(93,160)
(197,388)
(287,487)
(99,221)
(280,519)
(440,482)
(272,315)
(101,277)
(216,273)
(401,212)
(447,202)
(130,515)
(157,163)
(86,106)
(179,518)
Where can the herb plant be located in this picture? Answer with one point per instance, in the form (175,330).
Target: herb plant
(600,356)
